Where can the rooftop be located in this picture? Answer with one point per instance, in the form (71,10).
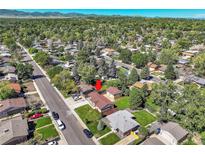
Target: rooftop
(12,103)
(173,128)
(13,128)
(122,120)
(99,100)
(114,90)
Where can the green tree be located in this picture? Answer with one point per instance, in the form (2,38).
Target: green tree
(42,58)
(125,55)
(168,56)
(139,59)
(87,73)
(136,99)
(6,91)
(133,77)
(199,64)
(32,50)
(64,82)
(170,72)
(24,71)
(145,73)
(54,70)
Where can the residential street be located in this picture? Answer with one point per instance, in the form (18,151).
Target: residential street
(74,131)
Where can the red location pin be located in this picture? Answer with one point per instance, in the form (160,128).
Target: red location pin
(98,84)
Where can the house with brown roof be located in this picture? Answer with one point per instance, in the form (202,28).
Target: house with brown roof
(140,84)
(16,87)
(152,67)
(12,106)
(100,102)
(13,131)
(86,89)
(114,93)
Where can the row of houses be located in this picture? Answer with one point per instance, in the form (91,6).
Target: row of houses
(121,122)
(13,127)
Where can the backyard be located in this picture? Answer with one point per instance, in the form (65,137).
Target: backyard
(123,103)
(91,118)
(143,117)
(110,139)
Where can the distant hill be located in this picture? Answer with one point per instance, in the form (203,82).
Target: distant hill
(15,13)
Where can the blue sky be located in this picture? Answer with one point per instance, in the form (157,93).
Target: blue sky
(174,13)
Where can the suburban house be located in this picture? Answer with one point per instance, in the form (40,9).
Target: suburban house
(195,79)
(5,54)
(113,93)
(162,68)
(152,67)
(140,84)
(16,87)
(86,89)
(101,103)
(11,77)
(189,53)
(13,131)
(183,61)
(12,106)
(122,122)
(8,69)
(169,133)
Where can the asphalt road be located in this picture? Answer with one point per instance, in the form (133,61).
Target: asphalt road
(74,131)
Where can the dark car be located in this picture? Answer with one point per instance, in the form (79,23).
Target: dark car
(55,115)
(87,133)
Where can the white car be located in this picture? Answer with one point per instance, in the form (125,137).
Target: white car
(61,126)
(53,143)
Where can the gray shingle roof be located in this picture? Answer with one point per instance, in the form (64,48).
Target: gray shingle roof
(13,128)
(173,128)
(121,120)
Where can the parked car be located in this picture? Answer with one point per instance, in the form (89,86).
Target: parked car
(55,115)
(88,133)
(76,97)
(37,115)
(53,143)
(61,125)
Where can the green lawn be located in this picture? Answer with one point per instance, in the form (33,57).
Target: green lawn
(47,133)
(152,106)
(91,117)
(123,103)
(144,118)
(43,122)
(110,139)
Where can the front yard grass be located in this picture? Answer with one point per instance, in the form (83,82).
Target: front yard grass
(46,133)
(143,117)
(91,118)
(123,103)
(110,139)
(43,122)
